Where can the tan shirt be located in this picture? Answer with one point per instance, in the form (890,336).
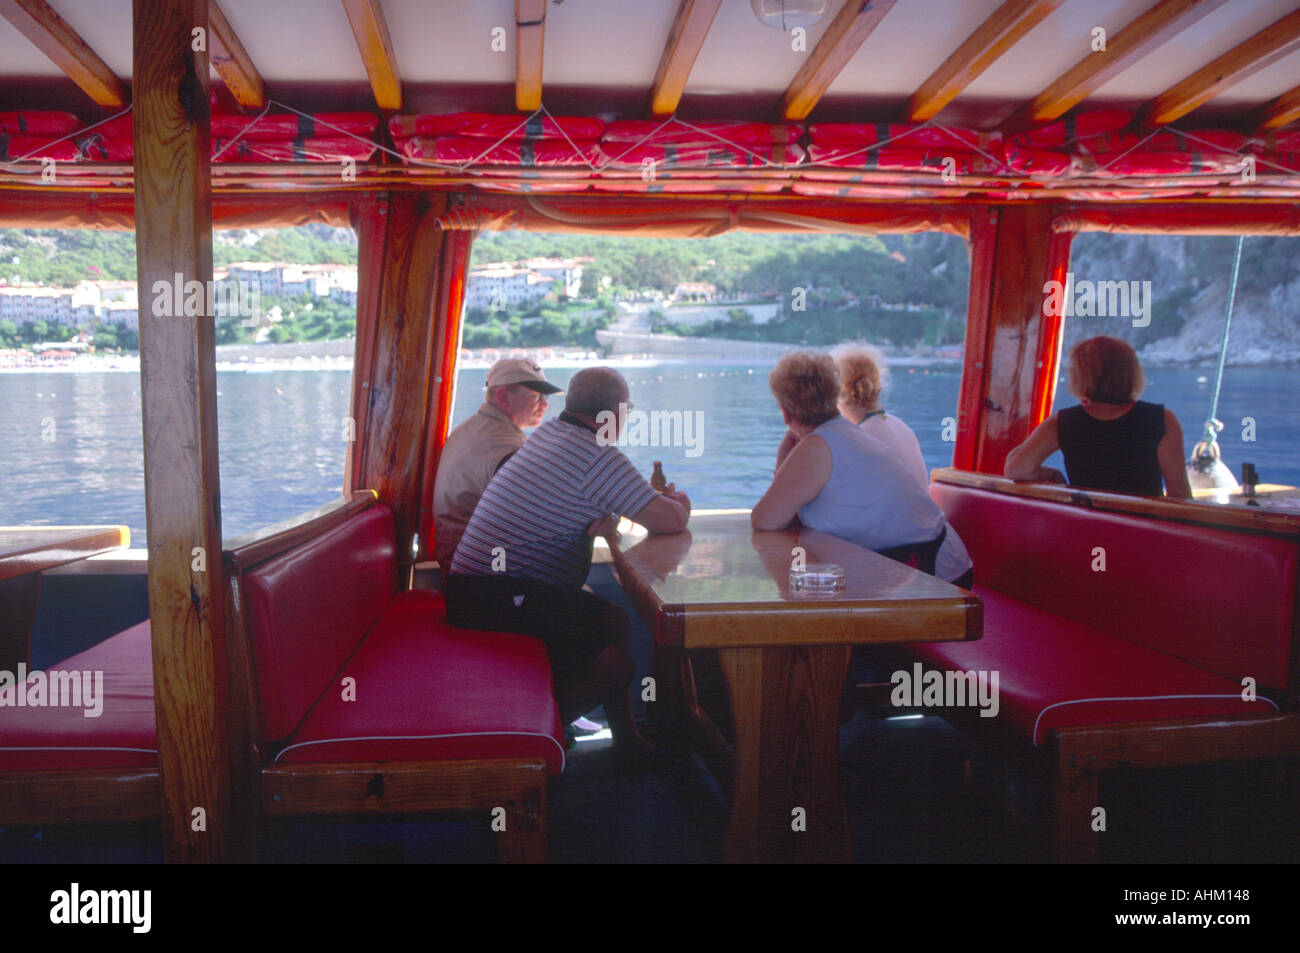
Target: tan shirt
(470,457)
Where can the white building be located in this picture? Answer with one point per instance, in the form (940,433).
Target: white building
(265,276)
(123,314)
(498,286)
(117,302)
(567,272)
(341,281)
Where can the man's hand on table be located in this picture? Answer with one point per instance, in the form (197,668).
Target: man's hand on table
(672,493)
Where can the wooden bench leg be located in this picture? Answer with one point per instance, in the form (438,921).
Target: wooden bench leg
(1075,795)
(524,839)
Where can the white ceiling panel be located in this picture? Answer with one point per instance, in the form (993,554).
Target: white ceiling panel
(891,63)
(297,40)
(741,55)
(1210,37)
(450,41)
(607,42)
(1049,49)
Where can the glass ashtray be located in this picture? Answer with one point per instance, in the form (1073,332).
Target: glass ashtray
(817,579)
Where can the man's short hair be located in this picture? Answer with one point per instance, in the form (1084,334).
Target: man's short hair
(1106,370)
(595,389)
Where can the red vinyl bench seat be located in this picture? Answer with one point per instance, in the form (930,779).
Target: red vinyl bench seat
(1125,632)
(428,692)
(64,739)
(1054,672)
(363,699)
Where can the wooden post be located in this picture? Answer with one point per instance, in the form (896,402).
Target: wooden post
(1013,254)
(393,380)
(173,214)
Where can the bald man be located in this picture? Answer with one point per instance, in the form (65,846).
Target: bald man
(526,551)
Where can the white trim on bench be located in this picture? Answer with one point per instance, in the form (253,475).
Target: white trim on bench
(1141,698)
(462,734)
(82,748)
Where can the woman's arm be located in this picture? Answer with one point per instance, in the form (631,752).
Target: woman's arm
(788,443)
(1173,466)
(1026,461)
(798,480)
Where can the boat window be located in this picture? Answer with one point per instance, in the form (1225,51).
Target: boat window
(1167,295)
(285,306)
(695,325)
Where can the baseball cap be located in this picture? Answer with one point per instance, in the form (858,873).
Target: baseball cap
(520,371)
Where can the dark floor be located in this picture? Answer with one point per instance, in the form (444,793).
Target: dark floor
(917,790)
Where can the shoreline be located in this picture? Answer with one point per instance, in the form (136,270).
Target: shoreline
(118,363)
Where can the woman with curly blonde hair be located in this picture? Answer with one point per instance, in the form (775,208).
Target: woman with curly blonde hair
(864,377)
(833,477)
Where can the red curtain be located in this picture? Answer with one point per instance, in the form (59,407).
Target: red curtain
(453,266)
(21,208)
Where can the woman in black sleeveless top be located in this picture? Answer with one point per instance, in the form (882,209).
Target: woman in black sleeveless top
(1111,441)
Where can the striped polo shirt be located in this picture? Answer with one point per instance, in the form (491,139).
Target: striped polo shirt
(539,504)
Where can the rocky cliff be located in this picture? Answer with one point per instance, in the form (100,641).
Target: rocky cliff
(1189,278)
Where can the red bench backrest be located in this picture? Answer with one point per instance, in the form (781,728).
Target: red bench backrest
(310,607)
(1216,598)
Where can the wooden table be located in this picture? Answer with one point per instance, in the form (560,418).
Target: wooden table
(25,552)
(723,586)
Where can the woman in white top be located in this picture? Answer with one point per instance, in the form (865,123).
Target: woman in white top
(836,478)
(863,379)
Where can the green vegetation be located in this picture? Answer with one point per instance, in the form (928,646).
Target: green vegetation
(61,257)
(104,336)
(828,287)
(571,324)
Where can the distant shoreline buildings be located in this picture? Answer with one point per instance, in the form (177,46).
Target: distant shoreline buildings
(118,302)
(495,286)
(500,285)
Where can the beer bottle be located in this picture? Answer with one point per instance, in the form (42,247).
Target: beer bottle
(657,480)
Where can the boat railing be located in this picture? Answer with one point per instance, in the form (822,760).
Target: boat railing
(1197,513)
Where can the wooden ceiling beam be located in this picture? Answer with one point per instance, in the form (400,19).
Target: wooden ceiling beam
(376,46)
(1125,48)
(232,62)
(1281,112)
(995,36)
(844,37)
(1266,47)
(530,36)
(691,26)
(50,33)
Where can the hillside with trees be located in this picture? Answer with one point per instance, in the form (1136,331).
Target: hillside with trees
(899,289)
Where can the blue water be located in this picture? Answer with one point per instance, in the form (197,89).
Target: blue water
(282,447)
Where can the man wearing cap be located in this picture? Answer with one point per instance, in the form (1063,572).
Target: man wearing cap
(516,398)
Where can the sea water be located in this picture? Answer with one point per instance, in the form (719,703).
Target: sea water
(71,449)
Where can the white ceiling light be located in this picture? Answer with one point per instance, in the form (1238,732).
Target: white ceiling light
(788,14)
